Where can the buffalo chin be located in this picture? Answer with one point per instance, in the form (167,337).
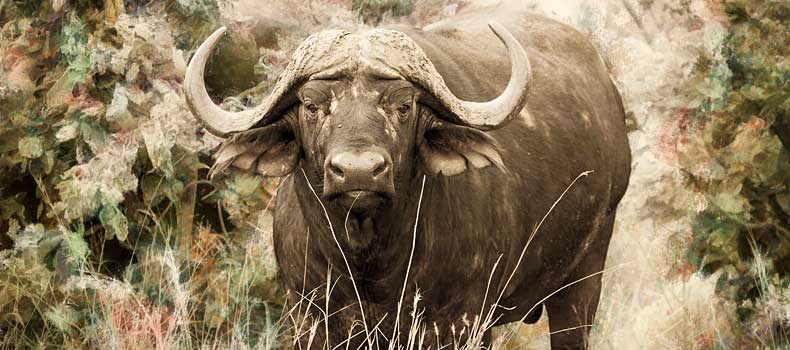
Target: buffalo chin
(361,202)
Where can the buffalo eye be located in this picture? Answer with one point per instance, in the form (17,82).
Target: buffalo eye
(404,110)
(312,109)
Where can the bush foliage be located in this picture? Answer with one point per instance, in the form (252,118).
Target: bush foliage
(738,158)
(108,226)
(112,236)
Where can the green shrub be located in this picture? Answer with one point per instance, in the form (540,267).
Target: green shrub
(740,162)
(373,11)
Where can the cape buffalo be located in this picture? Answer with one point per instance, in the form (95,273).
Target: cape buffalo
(357,122)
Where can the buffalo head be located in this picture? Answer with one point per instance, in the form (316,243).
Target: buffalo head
(360,113)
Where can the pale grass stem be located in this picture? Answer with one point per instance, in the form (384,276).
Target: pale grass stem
(396,329)
(570,329)
(481,326)
(564,287)
(345,260)
(348,213)
(535,230)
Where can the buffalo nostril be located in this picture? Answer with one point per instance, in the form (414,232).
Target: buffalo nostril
(335,169)
(358,165)
(381,168)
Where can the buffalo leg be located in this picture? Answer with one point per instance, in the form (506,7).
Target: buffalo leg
(572,310)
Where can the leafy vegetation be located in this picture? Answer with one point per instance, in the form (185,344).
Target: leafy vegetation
(738,156)
(111,236)
(108,226)
(372,11)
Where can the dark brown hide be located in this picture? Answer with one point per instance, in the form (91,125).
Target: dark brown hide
(573,123)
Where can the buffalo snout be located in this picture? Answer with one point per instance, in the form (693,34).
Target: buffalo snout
(358,180)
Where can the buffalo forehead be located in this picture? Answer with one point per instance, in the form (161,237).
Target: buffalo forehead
(362,67)
(377,54)
(326,52)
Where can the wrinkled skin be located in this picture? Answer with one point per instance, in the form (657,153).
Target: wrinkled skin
(356,143)
(358,114)
(365,113)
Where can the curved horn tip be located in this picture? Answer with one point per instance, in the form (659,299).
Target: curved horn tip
(215,36)
(494,25)
(497,112)
(215,119)
(221,30)
(501,32)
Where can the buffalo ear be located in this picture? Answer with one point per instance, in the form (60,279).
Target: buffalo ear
(270,150)
(451,149)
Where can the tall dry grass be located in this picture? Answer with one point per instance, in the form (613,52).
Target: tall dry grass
(649,301)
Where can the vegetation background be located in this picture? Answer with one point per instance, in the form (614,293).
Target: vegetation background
(112,237)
